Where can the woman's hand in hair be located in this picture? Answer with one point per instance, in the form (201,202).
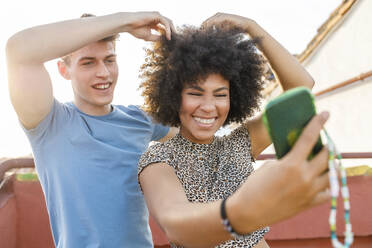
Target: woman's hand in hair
(223,19)
(141,24)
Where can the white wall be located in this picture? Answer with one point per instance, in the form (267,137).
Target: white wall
(347,53)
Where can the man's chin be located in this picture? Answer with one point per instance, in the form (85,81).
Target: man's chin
(103,102)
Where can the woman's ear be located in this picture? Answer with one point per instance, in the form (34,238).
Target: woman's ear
(63,70)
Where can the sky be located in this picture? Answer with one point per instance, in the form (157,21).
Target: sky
(292,22)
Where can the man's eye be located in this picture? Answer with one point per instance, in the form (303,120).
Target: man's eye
(110,61)
(221,95)
(87,63)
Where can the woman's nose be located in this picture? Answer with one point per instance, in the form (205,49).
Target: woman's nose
(208,105)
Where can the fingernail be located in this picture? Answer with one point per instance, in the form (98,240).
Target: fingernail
(325,115)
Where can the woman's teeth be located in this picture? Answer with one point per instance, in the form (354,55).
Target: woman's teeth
(205,121)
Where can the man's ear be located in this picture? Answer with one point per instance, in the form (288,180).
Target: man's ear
(63,69)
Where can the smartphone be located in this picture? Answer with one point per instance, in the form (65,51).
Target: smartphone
(286,116)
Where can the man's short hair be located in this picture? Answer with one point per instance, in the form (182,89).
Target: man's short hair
(111,38)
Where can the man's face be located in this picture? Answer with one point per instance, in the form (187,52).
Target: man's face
(93,72)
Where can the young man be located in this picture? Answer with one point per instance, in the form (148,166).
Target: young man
(86,152)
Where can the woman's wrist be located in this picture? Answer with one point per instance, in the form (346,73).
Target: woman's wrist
(249,23)
(235,214)
(241,214)
(254,29)
(226,222)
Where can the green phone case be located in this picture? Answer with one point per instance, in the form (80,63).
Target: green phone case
(286,116)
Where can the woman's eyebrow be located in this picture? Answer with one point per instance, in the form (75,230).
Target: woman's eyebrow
(195,87)
(220,89)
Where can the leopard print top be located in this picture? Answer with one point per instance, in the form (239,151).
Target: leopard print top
(208,172)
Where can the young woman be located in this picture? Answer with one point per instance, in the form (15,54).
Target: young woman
(203,79)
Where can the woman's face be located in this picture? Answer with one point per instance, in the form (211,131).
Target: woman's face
(204,108)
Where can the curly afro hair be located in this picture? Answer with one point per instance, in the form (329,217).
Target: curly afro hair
(190,57)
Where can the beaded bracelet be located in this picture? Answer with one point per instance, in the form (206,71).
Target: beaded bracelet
(227,225)
(335,188)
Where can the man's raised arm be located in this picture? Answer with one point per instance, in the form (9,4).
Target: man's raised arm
(29,83)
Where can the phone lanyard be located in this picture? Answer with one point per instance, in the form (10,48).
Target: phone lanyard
(334,163)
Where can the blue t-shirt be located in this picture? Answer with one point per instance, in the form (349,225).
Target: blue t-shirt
(87,167)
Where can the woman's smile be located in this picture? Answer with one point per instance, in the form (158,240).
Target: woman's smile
(204,108)
(205,121)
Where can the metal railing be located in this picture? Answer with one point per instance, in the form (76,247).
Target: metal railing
(28,162)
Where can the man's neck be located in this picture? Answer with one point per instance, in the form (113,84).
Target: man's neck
(95,110)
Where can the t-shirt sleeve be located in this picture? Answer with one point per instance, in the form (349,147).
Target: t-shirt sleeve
(56,115)
(158,130)
(157,153)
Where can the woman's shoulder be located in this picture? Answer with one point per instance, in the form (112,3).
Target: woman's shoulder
(157,149)
(239,133)
(157,153)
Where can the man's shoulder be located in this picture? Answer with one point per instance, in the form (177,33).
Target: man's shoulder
(128,108)
(53,124)
(58,112)
(62,111)
(134,111)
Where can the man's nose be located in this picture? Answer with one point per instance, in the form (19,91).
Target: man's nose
(102,70)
